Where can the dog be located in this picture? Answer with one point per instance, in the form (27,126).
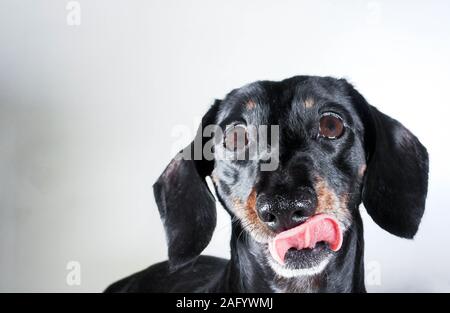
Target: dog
(296,227)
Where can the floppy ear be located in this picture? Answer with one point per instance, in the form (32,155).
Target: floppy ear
(185,203)
(396,178)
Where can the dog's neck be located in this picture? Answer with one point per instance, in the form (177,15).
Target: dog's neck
(248,270)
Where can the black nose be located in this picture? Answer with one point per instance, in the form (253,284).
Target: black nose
(282,212)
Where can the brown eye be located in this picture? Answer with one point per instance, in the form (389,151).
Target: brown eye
(236,137)
(331,126)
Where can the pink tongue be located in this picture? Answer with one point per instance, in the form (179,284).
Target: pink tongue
(321,227)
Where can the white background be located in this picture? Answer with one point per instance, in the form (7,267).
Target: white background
(87,114)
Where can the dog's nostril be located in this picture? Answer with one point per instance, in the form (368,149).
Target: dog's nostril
(268,217)
(271,218)
(298,216)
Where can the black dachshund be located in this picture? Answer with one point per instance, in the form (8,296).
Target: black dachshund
(296,226)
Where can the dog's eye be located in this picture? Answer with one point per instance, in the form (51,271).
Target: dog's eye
(331,126)
(236,137)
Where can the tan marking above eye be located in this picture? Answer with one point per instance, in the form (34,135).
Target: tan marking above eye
(309,103)
(250,105)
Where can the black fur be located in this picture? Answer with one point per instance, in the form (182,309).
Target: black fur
(393,189)
(183,185)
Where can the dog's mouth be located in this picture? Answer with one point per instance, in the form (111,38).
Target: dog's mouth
(307,245)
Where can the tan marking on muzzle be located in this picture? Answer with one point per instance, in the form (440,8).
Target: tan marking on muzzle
(332,204)
(248,216)
(250,213)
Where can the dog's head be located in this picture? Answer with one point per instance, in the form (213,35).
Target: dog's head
(325,150)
